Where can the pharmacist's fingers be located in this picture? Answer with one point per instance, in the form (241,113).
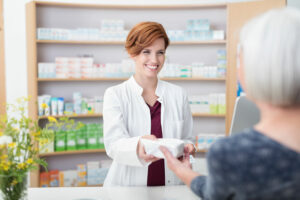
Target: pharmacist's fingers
(141,150)
(189,148)
(149,158)
(149,137)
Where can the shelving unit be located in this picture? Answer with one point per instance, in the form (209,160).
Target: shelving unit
(228,17)
(72,152)
(46,50)
(122,43)
(100,115)
(123,79)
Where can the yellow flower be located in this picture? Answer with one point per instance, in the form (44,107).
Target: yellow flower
(5,168)
(1,133)
(52,119)
(5,165)
(44,105)
(12,145)
(21,165)
(3,157)
(29,161)
(14,182)
(36,134)
(2,146)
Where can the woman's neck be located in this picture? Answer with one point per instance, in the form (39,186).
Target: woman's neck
(281,124)
(148,84)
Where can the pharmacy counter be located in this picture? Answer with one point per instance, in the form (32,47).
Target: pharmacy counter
(113,193)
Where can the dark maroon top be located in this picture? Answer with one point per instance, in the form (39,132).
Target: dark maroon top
(156,170)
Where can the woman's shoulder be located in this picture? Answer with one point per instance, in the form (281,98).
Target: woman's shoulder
(243,141)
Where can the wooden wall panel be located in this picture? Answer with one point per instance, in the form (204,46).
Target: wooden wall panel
(238,15)
(32,72)
(2,64)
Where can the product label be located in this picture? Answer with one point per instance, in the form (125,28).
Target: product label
(60,143)
(81,141)
(92,141)
(71,143)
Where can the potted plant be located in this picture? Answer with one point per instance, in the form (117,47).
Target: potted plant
(19,139)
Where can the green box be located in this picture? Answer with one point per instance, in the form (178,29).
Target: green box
(222,109)
(60,140)
(92,136)
(100,137)
(213,108)
(81,138)
(71,140)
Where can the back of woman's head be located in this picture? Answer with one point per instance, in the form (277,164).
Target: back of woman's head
(270,46)
(143,35)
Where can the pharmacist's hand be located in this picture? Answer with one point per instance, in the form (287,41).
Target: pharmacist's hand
(141,150)
(175,164)
(189,149)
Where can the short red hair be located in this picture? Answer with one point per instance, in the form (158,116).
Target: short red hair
(143,35)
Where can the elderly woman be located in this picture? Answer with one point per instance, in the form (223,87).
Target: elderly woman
(263,162)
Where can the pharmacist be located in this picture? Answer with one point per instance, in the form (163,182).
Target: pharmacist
(144,107)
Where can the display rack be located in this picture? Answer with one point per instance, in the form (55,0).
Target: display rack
(229,17)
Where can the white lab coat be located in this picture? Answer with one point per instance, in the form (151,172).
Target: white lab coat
(126,117)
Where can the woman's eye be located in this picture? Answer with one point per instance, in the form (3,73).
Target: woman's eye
(146,52)
(161,52)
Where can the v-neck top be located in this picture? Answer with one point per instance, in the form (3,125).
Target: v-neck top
(156,170)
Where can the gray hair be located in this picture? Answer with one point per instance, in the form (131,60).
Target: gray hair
(271,53)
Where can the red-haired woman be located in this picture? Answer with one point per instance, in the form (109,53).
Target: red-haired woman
(144,107)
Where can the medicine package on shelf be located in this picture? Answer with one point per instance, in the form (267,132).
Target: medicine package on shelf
(175,146)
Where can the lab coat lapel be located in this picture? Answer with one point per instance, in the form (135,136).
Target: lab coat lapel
(159,92)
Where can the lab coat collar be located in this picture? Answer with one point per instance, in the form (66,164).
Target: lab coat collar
(139,90)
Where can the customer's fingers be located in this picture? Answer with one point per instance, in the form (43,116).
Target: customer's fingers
(169,157)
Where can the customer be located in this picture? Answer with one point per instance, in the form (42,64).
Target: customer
(263,162)
(144,107)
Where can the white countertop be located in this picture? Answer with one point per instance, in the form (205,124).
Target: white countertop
(113,193)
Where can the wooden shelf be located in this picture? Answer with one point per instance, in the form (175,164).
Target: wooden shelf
(74,116)
(123,79)
(86,151)
(133,6)
(99,42)
(207,115)
(201,151)
(193,79)
(101,115)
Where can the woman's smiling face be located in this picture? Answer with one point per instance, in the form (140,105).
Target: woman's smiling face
(150,60)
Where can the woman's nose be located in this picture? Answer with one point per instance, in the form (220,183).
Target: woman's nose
(154,58)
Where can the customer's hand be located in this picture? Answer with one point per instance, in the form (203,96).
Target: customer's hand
(141,150)
(175,164)
(181,168)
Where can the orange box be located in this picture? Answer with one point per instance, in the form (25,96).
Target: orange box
(54,178)
(44,179)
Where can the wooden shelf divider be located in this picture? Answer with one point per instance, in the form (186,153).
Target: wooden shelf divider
(125,78)
(86,151)
(96,42)
(101,115)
